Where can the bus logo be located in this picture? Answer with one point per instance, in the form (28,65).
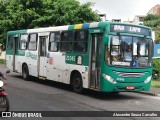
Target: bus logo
(133,63)
(31,55)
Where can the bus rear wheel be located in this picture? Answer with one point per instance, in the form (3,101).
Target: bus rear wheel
(25,72)
(77,83)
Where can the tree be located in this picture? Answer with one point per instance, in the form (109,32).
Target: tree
(153,21)
(27,14)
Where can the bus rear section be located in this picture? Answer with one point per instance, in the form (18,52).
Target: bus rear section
(14,50)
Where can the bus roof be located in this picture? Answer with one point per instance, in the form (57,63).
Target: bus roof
(16,31)
(73,27)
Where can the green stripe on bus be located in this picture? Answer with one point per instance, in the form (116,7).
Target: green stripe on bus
(71,27)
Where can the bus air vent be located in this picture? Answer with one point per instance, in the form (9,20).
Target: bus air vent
(130,75)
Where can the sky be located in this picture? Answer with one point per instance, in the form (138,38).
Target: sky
(122,9)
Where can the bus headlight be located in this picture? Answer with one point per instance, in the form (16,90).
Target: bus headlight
(148,79)
(109,78)
(1,83)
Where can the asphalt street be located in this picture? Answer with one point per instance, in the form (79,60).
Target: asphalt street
(40,95)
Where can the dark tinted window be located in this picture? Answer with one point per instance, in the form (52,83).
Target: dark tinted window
(10,42)
(80,41)
(32,42)
(54,41)
(66,41)
(23,41)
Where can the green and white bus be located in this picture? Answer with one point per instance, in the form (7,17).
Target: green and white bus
(103,56)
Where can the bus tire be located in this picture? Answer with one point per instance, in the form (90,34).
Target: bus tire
(77,83)
(25,72)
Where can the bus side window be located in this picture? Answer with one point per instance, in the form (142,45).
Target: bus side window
(23,41)
(54,41)
(66,41)
(10,42)
(32,41)
(80,41)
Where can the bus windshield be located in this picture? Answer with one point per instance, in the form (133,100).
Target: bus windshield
(129,51)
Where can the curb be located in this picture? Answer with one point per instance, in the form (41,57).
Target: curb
(149,93)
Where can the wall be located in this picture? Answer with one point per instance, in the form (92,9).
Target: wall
(2,55)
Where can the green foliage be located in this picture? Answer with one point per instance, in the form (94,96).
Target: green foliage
(151,17)
(155,83)
(156,68)
(26,14)
(2,61)
(153,21)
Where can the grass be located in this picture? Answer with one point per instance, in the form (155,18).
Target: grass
(155,83)
(2,61)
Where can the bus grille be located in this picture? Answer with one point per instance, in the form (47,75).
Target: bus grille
(131,75)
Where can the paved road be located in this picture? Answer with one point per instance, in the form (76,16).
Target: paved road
(40,95)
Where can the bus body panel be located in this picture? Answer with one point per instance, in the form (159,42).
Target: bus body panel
(56,64)
(9,61)
(83,70)
(20,59)
(133,77)
(31,61)
(62,71)
(13,51)
(50,67)
(122,87)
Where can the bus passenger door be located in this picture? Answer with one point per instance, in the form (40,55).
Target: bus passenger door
(95,60)
(15,52)
(42,56)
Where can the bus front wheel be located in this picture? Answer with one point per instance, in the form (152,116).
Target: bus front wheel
(77,83)
(25,72)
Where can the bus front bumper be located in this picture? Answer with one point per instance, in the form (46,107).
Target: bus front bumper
(107,86)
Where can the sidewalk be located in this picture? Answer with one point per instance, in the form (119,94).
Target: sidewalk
(153,91)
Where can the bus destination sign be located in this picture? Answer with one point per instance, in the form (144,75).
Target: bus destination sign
(130,29)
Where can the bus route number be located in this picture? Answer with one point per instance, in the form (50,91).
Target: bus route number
(71,58)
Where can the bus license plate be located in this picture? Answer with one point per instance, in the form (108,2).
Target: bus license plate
(130,87)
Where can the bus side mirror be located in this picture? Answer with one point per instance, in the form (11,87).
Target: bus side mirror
(151,45)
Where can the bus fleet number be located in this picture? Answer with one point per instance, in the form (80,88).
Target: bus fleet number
(70,58)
